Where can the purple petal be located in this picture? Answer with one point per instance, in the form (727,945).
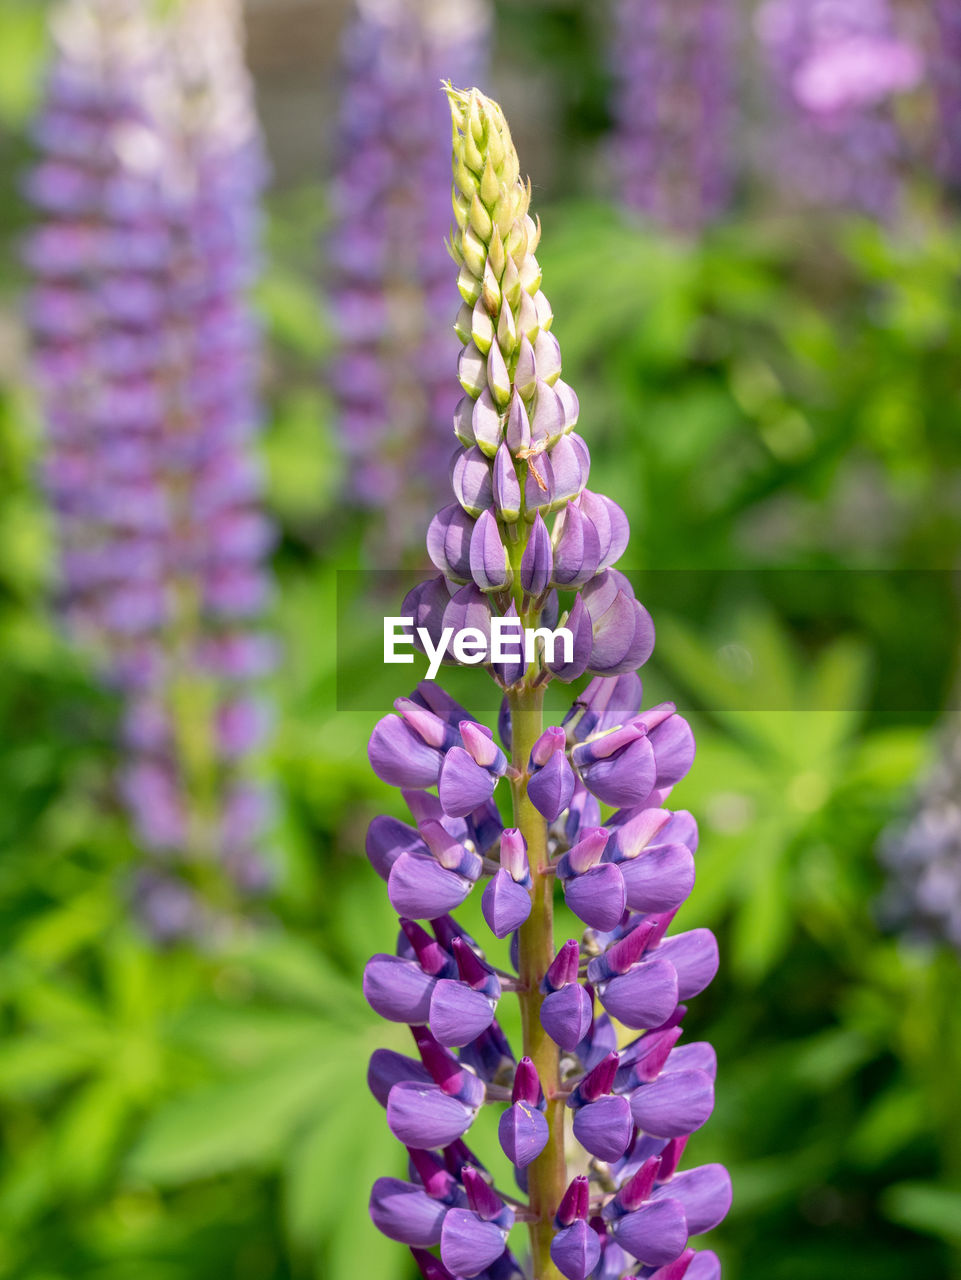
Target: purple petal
(488,555)
(507,489)
(576,1250)
(625,778)
(577,551)
(706,1266)
(468,1244)
(674,748)
(551,788)
(614,630)
(537,562)
(388,1068)
(406,1213)
(399,990)
(656,1233)
(613,529)
(597,896)
(471,481)
(448,541)
(422,1115)
(400,757)
(458,1013)
(659,879)
(419,887)
(387,839)
(644,997)
(579,625)
(566,1015)
(605,1127)
(704,1194)
(506,904)
(675,1104)
(694,956)
(463,785)
(523,1133)
(699,1056)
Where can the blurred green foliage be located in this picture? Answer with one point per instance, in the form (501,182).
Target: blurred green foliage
(778,395)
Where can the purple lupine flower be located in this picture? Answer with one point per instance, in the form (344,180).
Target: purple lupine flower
(946,71)
(146,360)
(836,66)
(674,74)
(527,541)
(922,855)
(388,264)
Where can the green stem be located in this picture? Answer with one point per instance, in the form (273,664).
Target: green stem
(547,1175)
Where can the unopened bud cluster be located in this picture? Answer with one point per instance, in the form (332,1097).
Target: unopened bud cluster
(146,356)
(602,1013)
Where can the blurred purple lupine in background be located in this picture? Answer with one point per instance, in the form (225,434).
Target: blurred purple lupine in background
(524,531)
(946,74)
(922,854)
(675,83)
(388,266)
(147,360)
(836,66)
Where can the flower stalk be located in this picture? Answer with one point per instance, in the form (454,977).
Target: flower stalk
(526,540)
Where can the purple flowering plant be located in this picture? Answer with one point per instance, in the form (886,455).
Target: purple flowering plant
(600,1098)
(146,357)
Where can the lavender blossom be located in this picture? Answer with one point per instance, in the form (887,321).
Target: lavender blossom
(388,265)
(946,70)
(674,71)
(527,540)
(922,855)
(146,362)
(837,66)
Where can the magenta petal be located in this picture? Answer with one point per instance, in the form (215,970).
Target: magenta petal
(419,887)
(605,1127)
(659,879)
(625,778)
(422,1115)
(458,1013)
(694,956)
(506,904)
(463,785)
(576,1250)
(644,997)
(566,1015)
(551,788)
(523,1133)
(399,990)
(656,1233)
(704,1193)
(400,757)
(388,1068)
(675,1104)
(468,1244)
(674,748)
(406,1213)
(597,896)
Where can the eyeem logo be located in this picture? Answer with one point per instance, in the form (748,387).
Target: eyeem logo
(507,642)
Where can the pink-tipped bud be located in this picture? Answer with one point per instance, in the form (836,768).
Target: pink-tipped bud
(600,1081)
(575,1202)
(514,854)
(671,1158)
(634,1193)
(551,740)
(588,850)
(430,955)
(479,743)
(563,968)
(481,1196)
(527,1085)
(471,968)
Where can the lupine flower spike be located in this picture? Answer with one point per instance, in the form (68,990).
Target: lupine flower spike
(922,855)
(146,360)
(674,77)
(388,267)
(527,539)
(836,67)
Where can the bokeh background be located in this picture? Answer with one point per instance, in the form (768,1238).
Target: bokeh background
(770,388)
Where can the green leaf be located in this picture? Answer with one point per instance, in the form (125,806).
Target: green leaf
(927,1207)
